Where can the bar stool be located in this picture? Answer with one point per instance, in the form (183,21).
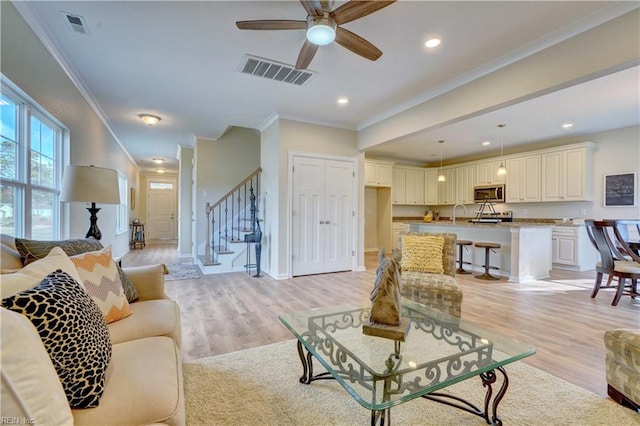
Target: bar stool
(461,244)
(488,247)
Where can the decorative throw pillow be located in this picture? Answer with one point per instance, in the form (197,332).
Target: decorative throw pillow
(72,330)
(32,274)
(100,278)
(31,250)
(422,253)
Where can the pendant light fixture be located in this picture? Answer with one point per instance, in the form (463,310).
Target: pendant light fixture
(441,177)
(502,170)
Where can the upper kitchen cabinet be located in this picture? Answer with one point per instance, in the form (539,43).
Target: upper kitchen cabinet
(431,187)
(447,189)
(465,181)
(408,185)
(377,173)
(487,173)
(523,179)
(567,173)
(399,185)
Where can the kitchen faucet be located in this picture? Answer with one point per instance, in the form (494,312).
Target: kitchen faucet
(454,211)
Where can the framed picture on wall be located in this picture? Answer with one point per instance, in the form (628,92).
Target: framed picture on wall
(620,190)
(132,198)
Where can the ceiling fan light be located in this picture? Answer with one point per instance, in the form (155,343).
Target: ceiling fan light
(321,30)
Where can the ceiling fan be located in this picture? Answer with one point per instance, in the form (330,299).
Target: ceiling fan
(323,27)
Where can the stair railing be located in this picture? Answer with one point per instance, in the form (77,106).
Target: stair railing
(227,218)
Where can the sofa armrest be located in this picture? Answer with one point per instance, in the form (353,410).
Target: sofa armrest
(149,281)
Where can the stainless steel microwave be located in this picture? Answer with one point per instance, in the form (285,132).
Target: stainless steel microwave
(492,193)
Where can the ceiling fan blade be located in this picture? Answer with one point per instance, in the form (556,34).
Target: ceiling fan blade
(272,25)
(357,44)
(307,53)
(356,9)
(313,7)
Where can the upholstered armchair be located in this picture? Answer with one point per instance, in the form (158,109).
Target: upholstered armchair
(429,270)
(622,365)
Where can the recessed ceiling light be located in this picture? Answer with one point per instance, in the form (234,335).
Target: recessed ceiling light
(343,100)
(157,160)
(486,143)
(160,170)
(567,125)
(432,42)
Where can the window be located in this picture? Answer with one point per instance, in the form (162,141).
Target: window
(31,167)
(122,222)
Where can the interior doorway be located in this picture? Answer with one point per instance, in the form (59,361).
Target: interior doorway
(161,209)
(323,215)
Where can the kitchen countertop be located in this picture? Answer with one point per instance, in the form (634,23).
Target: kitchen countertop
(464,221)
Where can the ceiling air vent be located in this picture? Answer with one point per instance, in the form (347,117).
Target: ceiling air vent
(273,70)
(76,23)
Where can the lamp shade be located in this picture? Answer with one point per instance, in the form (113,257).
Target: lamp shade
(89,184)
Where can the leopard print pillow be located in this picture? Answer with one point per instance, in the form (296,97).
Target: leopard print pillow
(73,331)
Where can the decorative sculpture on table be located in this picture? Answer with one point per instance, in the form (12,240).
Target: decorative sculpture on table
(386,302)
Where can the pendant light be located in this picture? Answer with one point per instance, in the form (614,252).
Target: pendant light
(441,177)
(502,170)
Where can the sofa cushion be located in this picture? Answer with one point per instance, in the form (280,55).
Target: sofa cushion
(101,280)
(9,255)
(30,388)
(31,250)
(73,332)
(150,318)
(422,253)
(145,387)
(32,274)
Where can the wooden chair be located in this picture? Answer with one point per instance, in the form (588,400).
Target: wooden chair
(613,262)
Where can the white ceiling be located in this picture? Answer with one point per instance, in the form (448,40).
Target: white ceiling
(180,60)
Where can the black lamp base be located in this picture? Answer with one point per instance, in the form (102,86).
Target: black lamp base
(94,231)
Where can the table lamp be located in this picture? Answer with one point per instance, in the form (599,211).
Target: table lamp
(89,184)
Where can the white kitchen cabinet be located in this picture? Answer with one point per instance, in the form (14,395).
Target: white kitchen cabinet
(431,187)
(487,173)
(572,249)
(567,175)
(397,229)
(414,186)
(377,173)
(523,179)
(447,189)
(399,185)
(465,181)
(408,185)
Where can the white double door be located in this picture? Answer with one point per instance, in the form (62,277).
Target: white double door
(322,215)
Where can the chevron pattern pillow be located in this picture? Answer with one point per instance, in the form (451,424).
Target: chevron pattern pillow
(100,278)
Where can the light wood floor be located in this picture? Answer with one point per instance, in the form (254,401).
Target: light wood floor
(229,312)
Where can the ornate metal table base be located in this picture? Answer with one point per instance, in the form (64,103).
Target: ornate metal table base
(489,378)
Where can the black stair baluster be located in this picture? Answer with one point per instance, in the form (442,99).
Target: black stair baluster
(226,225)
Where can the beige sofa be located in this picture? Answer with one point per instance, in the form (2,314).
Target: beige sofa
(143,381)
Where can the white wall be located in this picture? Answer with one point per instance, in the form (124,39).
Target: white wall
(26,62)
(287,136)
(219,166)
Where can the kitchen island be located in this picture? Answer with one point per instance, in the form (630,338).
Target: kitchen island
(525,252)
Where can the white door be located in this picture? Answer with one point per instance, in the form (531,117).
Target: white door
(322,216)
(161,214)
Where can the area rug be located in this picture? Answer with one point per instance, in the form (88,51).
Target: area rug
(260,386)
(181,271)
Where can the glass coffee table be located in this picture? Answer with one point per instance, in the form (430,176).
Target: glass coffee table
(438,350)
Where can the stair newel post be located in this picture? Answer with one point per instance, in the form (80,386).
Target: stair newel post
(207,247)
